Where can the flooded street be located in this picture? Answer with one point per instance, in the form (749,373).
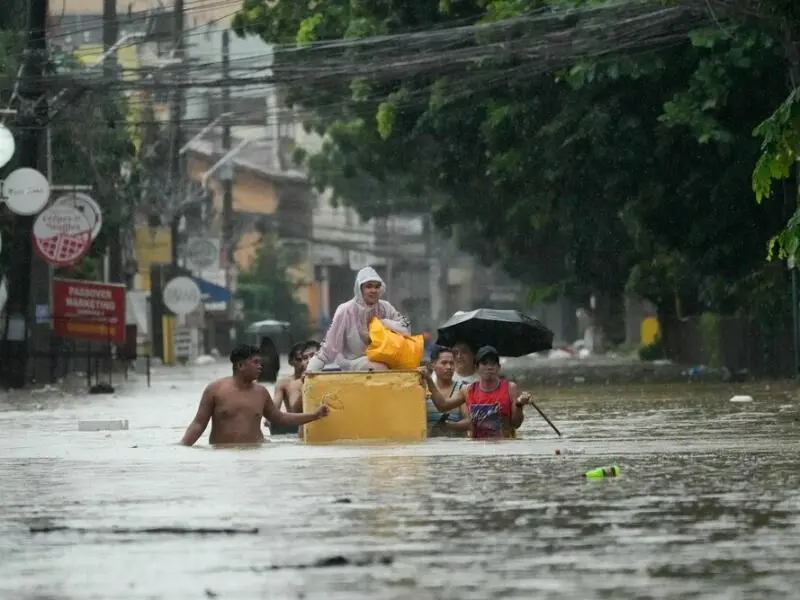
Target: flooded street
(708,505)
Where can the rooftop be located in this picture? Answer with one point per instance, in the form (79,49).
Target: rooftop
(259,156)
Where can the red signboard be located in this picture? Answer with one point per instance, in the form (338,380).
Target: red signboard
(88,310)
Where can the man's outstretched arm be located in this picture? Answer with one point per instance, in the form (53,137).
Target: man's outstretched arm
(201,419)
(277,417)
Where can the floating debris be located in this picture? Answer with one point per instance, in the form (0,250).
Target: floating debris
(101,388)
(339,561)
(144,530)
(741,399)
(103,425)
(601,472)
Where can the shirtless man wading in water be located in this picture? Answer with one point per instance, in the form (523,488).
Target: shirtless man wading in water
(299,355)
(236,405)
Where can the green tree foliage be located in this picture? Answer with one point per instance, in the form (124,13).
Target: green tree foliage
(268,292)
(780,131)
(90,145)
(623,171)
(12,18)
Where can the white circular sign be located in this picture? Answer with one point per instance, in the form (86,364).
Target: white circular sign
(181,295)
(60,220)
(62,235)
(26,191)
(202,253)
(85,205)
(7,145)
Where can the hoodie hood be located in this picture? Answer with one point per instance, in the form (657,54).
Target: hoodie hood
(363,276)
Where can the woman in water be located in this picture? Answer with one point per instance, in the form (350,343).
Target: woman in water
(348,335)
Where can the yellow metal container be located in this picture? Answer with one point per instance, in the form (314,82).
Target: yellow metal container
(382,405)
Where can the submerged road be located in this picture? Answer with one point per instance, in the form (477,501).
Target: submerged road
(708,505)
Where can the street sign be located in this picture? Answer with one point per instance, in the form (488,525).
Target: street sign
(182,342)
(7,145)
(25,191)
(202,253)
(87,206)
(61,235)
(181,295)
(89,310)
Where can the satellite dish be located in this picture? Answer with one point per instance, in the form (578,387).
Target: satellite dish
(7,145)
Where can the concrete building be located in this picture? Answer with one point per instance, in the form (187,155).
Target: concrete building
(264,198)
(197,13)
(428,277)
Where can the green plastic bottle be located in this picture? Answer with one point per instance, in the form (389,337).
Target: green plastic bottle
(601,472)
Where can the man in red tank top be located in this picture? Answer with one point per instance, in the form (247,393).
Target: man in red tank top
(491,407)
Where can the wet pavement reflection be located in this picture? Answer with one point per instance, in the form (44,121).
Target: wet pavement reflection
(708,505)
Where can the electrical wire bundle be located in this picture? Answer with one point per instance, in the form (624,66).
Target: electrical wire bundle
(480,54)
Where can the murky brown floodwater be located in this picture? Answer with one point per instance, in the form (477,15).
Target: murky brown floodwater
(708,507)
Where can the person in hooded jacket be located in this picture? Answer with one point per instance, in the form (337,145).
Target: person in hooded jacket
(347,338)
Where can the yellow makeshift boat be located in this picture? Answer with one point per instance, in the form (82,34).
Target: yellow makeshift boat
(377,406)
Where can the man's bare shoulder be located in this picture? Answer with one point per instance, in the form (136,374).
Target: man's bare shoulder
(284,383)
(219,385)
(296,384)
(261,389)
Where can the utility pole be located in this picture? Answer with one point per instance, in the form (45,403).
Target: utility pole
(227,171)
(433,251)
(110,34)
(110,73)
(176,174)
(175,186)
(14,354)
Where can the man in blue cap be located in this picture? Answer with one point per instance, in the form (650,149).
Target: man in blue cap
(491,406)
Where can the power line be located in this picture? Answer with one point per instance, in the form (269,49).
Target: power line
(92,23)
(540,37)
(328,65)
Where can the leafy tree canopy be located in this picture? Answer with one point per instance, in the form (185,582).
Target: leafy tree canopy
(90,144)
(630,170)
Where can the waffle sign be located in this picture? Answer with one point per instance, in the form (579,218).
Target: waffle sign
(62,235)
(89,311)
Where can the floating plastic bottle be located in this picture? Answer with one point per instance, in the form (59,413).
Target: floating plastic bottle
(600,472)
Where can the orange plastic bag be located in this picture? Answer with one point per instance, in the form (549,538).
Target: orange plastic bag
(395,350)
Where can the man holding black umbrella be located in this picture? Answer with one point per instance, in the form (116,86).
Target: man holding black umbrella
(491,406)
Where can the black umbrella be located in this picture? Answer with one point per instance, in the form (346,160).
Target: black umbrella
(511,332)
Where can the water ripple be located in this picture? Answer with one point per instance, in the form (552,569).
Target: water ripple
(708,505)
